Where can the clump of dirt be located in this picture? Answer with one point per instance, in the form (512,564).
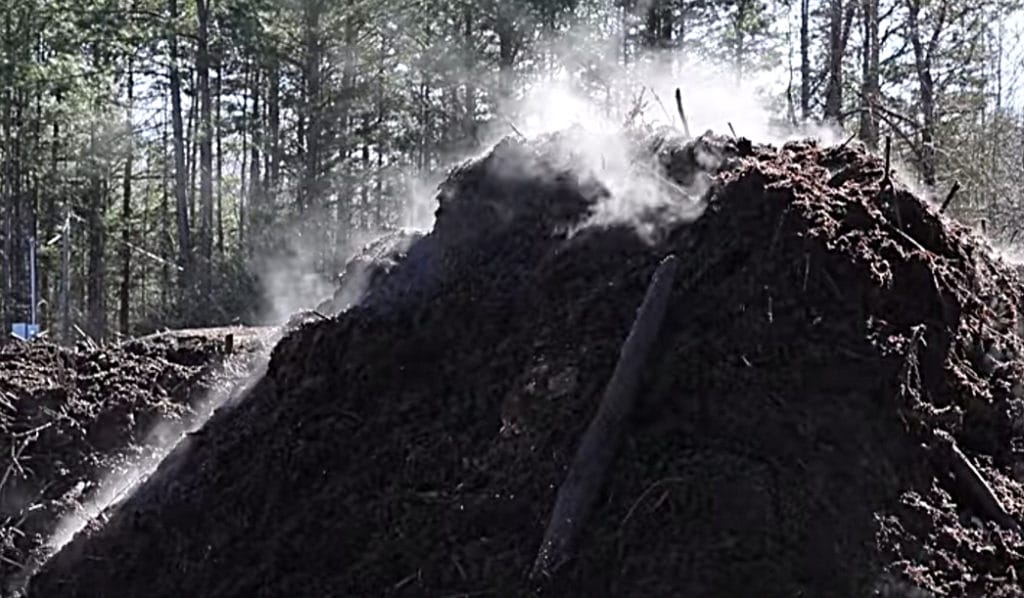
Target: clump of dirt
(71,417)
(832,344)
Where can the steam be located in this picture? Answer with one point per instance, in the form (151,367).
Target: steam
(292,281)
(599,139)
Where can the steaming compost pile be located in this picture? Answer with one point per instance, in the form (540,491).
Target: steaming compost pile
(831,407)
(71,417)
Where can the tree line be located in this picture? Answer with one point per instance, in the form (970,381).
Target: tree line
(153,152)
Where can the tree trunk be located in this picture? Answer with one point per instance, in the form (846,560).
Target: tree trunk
(312,187)
(926,91)
(64,296)
(740,44)
(220,159)
(124,294)
(96,304)
(242,163)
(180,174)
(6,186)
(166,242)
(273,169)
(255,199)
(805,60)
(870,76)
(507,51)
(205,131)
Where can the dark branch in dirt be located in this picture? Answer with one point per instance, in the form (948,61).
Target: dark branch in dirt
(973,483)
(598,447)
(949,196)
(682,113)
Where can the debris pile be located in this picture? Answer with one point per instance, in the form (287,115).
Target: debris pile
(71,418)
(832,406)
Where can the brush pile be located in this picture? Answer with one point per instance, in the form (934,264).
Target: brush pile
(71,417)
(833,405)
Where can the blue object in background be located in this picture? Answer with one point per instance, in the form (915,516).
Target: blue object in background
(24,331)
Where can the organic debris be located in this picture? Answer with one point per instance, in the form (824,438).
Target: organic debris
(832,344)
(71,418)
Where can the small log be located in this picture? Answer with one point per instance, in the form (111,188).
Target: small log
(599,445)
(229,344)
(949,196)
(974,485)
(682,113)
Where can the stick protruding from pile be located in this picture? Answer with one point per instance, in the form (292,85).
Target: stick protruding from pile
(597,448)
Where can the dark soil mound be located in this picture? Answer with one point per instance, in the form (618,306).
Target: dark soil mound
(828,335)
(70,417)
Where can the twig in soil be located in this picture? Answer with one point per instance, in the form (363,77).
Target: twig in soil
(643,495)
(657,98)
(406,581)
(733,131)
(910,239)
(638,107)
(35,430)
(15,464)
(848,140)
(88,339)
(597,448)
(949,196)
(513,126)
(5,401)
(682,114)
(11,562)
(974,484)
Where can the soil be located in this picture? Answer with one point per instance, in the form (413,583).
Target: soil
(72,418)
(828,333)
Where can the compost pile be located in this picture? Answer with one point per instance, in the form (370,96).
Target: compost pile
(832,408)
(71,417)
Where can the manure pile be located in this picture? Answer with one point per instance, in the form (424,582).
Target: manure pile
(832,406)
